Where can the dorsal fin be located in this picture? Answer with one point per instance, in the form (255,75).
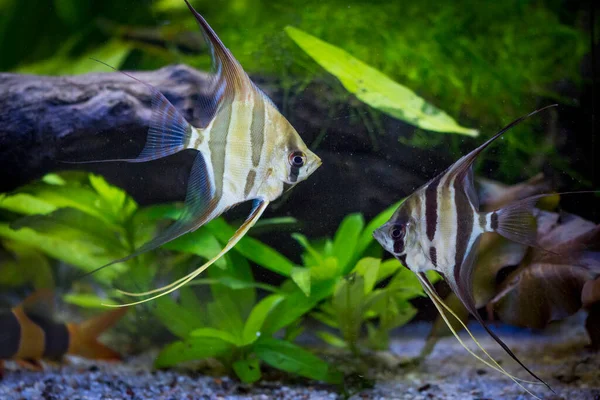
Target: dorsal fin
(229,74)
(461,167)
(40,303)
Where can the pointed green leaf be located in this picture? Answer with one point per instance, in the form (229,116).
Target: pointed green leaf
(27,204)
(247,370)
(345,239)
(252,249)
(368,268)
(215,333)
(195,348)
(258,315)
(294,359)
(332,339)
(177,319)
(366,236)
(301,276)
(200,242)
(87,300)
(375,88)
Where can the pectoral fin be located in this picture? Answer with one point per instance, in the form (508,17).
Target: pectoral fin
(258,209)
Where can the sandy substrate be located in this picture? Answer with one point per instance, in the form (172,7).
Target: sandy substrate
(559,356)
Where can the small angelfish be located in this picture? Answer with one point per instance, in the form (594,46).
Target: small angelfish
(439,226)
(246,149)
(28,333)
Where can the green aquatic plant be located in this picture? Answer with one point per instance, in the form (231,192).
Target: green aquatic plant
(375,88)
(231,329)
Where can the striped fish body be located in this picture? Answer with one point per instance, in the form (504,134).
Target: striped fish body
(439,227)
(246,150)
(27,334)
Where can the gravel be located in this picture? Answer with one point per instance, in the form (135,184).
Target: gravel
(558,355)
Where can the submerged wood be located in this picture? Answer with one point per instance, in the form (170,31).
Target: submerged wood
(45,120)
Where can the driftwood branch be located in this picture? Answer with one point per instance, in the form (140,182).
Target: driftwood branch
(46,120)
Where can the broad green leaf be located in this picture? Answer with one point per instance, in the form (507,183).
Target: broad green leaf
(177,319)
(87,256)
(25,265)
(195,348)
(72,224)
(115,199)
(348,306)
(375,88)
(224,314)
(327,269)
(367,235)
(295,305)
(87,300)
(345,240)
(253,249)
(189,300)
(294,359)
(257,317)
(53,179)
(301,276)
(331,339)
(237,268)
(312,256)
(234,283)
(388,268)
(368,268)
(247,370)
(200,242)
(27,204)
(216,333)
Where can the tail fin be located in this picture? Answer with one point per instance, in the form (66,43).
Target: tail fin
(85,336)
(168,134)
(516,221)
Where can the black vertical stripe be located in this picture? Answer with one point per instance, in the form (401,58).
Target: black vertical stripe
(464,223)
(494,221)
(56,336)
(431,207)
(433,256)
(10,335)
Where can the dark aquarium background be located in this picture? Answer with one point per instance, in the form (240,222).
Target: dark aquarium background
(471,66)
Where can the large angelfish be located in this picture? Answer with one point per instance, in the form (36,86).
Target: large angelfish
(439,226)
(247,150)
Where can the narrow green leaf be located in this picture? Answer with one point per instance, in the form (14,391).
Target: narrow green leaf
(84,255)
(258,315)
(195,348)
(25,265)
(253,249)
(366,236)
(177,319)
(295,305)
(388,268)
(27,204)
(247,370)
(345,240)
(224,314)
(301,276)
(375,88)
(87,300)
(294,359)
(216,333)
(200,242)
(331,339)
(312,256)
(368,268)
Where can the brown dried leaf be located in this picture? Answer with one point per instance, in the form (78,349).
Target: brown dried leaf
(548,286)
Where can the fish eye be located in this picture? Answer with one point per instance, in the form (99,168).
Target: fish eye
(397,231)
(297,159)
